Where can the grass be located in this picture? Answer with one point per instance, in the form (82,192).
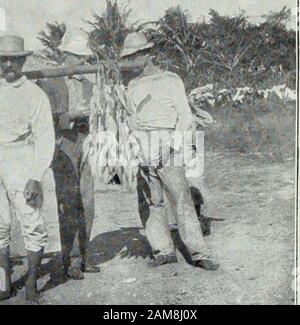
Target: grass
(257,127)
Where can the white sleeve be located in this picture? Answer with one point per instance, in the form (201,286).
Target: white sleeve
(42,128)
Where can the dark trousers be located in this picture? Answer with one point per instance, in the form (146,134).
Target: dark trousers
(75,196)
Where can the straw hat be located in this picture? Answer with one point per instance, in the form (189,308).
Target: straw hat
(11,45)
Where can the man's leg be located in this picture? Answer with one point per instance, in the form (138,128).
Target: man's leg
(196,188)
(68,230)
(34,265)
(77,249)
(178,192)
(65,168)
(156,222)
(80,243)
(35,237)
(6,291)
(5,281)
(88,203)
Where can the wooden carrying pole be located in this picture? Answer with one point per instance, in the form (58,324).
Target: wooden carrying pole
(83,69)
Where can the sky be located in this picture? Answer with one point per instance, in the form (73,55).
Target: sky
(28,17)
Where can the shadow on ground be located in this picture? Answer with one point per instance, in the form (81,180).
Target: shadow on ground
(126,242)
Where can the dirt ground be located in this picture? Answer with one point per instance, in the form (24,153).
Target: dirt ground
(250,203)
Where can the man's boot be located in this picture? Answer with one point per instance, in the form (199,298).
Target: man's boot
(206,264)
(6,291)
(87,267)
(74,271)
(162,260)
(34,265)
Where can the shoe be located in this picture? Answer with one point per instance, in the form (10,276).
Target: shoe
(90,269)
(75,273)
(207,265)
(5,295)
(34,299)
(162,260)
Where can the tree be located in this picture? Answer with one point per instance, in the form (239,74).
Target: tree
(226,40)
(229,49)
(106,37)
(278,18)
(109,30)
(279,47)
(201,52)
(177,42)
(51,40)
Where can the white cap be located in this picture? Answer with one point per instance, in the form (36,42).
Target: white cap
(76,41)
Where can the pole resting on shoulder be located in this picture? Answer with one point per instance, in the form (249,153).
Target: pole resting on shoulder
(123,66)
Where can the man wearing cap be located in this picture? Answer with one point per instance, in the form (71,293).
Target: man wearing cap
(159,104)
(70,99)
(27,145)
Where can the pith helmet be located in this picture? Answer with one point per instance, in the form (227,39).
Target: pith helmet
(11,45)
(76,41)
(135,42)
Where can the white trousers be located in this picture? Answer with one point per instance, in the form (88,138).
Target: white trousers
(16,161)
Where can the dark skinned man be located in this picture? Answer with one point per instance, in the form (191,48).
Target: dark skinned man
(27,145)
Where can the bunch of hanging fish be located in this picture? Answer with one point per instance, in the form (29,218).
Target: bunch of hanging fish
(111,140)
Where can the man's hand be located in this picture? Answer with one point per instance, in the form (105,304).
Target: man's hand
(33,194)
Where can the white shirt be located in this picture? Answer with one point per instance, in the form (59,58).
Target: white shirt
(159,102)
(25,111)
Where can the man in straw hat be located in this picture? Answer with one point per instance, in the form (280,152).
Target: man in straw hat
(160,107)
(70,99)
(26,150)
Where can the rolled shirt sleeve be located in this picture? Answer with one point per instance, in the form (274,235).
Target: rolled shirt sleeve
(42,129)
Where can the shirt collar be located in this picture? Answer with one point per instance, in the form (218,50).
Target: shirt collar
(15,84)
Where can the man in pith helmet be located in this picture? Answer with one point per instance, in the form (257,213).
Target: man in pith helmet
(160,106)
(74,182)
